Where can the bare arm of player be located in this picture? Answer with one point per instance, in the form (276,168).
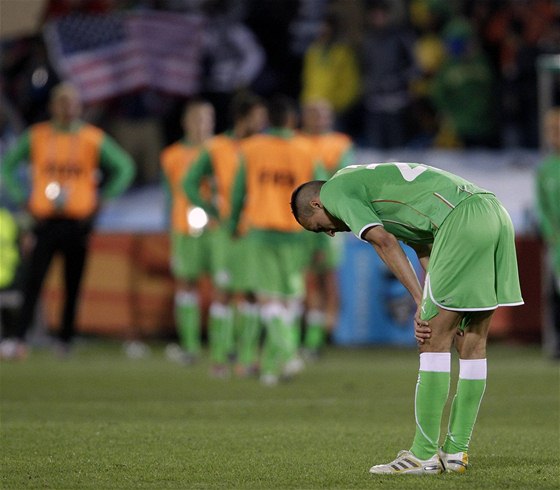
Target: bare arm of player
(390,251)
(421,332)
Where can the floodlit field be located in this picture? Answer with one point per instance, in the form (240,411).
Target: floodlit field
(99,420)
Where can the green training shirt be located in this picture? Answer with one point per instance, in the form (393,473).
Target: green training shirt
(410,200)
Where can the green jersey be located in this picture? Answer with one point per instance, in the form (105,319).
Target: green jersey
(548,205)
(410,200)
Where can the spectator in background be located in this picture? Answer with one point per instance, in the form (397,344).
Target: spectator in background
(427,18)
(330,71)
(548,211)
(66,156)
(387,60)
(233,312)
(189,243)
(516,33)
(464,91)
(335,150)
(233,59)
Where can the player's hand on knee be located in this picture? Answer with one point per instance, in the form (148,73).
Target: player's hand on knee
(422,330)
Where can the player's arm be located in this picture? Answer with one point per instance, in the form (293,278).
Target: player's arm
(119,165)
(192,181)
(390,251)
(238,196)
(319,171)
(8,170)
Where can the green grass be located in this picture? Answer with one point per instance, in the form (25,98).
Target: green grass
(101,421)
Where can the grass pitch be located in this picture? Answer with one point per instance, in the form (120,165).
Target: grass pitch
(99,420)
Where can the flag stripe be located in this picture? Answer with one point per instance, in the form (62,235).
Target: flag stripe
(107,55)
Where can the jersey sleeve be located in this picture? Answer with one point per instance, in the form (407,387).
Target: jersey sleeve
(350,205)
(119,165)
(192,181)
(238,196)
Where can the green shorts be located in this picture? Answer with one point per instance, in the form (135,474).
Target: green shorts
(230,261)
(276,266)
(190,258)
(473,264)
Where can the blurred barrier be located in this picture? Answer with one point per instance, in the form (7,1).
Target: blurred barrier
(128,293)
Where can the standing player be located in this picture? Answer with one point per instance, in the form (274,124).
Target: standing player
(65,156)
(548,209)
(272,164)
(189,260)
(335,151)
(465,242)
(219,161)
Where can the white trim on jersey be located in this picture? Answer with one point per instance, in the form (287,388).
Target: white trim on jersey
(364,228)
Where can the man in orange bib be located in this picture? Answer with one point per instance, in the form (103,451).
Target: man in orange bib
(66,156)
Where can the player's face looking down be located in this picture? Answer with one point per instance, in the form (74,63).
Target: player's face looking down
(321,221)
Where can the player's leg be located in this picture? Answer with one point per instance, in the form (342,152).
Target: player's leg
(247,326)
(432,387)
(291,258)
(470,390)
(432,390)
(74,250)
(221,314)
(321,294)
(187,302)
(269,286)
(44,248)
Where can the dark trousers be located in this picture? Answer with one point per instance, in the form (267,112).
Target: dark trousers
(68,237)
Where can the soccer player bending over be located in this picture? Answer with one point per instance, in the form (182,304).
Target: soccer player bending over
(464,240)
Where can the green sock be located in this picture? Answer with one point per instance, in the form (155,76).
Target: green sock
(220,332)
(292,321)
(466,403)
(315,330)
(248,333)
(273,347)
(432,390)
(187,314)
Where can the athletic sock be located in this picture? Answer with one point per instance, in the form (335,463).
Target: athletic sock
(277,339)
(187,317)
(432,390)
(464,409)
(292,319)
(220,332)
(248,334)
(315,330)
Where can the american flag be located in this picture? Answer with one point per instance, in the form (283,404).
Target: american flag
(108,55)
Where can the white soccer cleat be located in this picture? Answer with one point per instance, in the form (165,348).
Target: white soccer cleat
(454,463)
(407,463)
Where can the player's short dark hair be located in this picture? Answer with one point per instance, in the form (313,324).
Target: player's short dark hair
(280,107)
(301,196)
(242,104)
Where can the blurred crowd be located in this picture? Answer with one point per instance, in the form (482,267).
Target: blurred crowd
(398,73)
